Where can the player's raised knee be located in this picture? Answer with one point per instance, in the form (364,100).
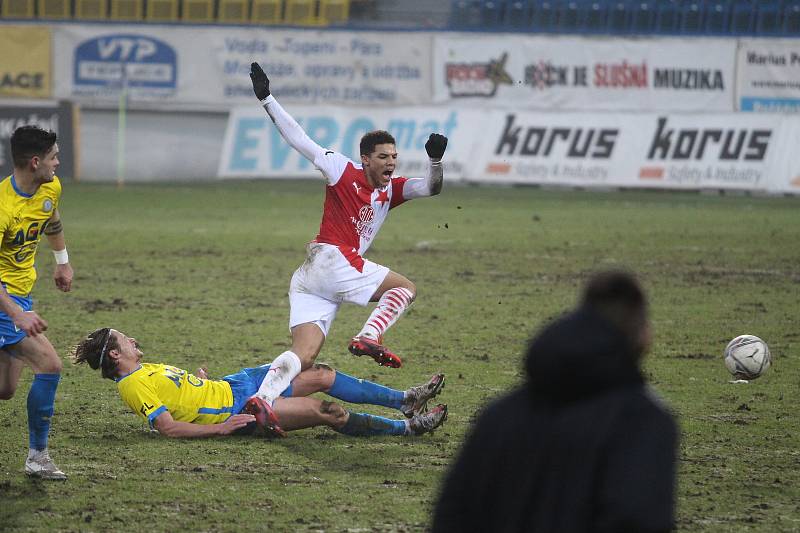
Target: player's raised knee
(412,289)
(323,375)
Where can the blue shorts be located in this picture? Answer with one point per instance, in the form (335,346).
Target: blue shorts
(9,333)
(246,382)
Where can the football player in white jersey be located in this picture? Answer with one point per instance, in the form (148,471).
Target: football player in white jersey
(358,198)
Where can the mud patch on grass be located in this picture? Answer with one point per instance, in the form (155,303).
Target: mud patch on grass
(698,355)
(187,252)
(116,304)
(720,276)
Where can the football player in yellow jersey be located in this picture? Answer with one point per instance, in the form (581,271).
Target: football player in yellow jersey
(180,404)
(29,201)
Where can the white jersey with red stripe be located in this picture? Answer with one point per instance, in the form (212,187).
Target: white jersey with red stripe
(353,211)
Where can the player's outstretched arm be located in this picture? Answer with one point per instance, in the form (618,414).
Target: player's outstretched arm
(169,427)
(288,127)
(431,185)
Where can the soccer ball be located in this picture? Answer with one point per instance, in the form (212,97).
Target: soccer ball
(747,357)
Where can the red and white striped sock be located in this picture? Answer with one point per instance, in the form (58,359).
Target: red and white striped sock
(391,305)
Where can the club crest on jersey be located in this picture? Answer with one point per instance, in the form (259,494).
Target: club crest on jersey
(365,217)
(366,214)
(47,206)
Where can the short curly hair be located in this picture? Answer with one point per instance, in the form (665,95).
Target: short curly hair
(372,139)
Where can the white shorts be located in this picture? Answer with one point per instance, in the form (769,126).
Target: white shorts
(324,281)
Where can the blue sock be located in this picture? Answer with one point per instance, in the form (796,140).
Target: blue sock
(41,398)
(364,425)
(355,390)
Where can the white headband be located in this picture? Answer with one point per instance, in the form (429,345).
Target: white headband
(103,351)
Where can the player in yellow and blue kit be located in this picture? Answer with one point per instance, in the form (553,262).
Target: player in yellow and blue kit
(29,201)
(180,404)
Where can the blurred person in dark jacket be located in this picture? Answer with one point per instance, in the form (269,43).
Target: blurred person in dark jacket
(584,444)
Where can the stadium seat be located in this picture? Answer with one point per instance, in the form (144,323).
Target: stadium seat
(91,9)
(300,12)
(595,16)
(569,18)
(126,9)
(161,10)
(643,17)
(492,14)
(233,11)
(743,17)
(266,12)
(791,18)
(718,17)
(768,17)
(465,14)
(691,17)
(55,9)
(18,9)
(543,16)
(618,17)
(334,12)
(517,15)
(197,11)
(668,17)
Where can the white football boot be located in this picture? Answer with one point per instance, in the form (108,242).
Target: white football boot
(39,465)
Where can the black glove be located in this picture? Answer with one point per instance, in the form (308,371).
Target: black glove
(436,145)
(260,81)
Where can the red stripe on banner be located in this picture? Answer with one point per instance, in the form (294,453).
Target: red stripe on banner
(498,168)
(651,173)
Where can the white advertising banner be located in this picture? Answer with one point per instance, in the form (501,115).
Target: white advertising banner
(784,173)
(574,73)
(735,151)
(689,151)
(768,75)
(207,68)
(253,147)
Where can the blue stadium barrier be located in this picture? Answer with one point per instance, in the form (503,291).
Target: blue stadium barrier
(791,18)
(718,17)
(668,17)
(619,17)
(743,17)
(544,16)
(768,17)
(517,15)
(691,17)
(643,17)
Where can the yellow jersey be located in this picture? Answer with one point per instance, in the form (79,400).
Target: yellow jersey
(23,219)
(154,388)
